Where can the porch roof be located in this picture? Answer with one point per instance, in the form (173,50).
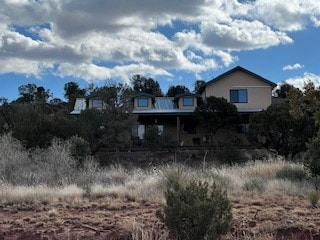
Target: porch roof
(163,112)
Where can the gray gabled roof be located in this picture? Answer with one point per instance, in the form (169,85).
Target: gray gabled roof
(238,68)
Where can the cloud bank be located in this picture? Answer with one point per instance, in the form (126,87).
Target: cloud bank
(98,40)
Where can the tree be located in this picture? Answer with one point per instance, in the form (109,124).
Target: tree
(27,93)
(216,113)
(31,93)
(175,90)
(111,126)
(31,126)
(284,89)
(147,85)
(6,116)
(199,86)
(276,128)
(305,102)
(73,91)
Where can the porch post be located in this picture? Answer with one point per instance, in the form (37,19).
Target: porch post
(178,129)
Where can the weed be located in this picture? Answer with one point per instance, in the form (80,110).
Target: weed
(313,197)
(292,173)
(254,184)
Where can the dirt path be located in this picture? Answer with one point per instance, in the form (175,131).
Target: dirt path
(98,219)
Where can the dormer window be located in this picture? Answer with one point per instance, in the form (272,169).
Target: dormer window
(143,102)
(96,103)
(188,101)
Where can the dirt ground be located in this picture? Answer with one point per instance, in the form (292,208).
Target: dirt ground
(254,217)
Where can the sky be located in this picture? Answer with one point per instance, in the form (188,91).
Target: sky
(176,42)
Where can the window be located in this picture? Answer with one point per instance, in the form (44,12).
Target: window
(188,101)
(143,102)
(188,125)
(239,96)
(96,103)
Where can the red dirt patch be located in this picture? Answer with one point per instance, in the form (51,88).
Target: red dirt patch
(254,217)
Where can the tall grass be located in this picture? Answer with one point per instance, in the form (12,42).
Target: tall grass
(47,174)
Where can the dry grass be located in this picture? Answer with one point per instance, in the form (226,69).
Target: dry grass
(52,174)
(49,175)
(139,231)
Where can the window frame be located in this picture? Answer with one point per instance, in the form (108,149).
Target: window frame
(143,105)
(188,98)
(235,96)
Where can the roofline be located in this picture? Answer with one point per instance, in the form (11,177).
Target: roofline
(163,113)
(243,70)
(143,94)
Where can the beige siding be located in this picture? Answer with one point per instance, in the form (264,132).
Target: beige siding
(259,92)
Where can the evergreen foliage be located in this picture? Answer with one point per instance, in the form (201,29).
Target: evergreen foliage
(196,211)
(230,155)
(312,159)
(158,140)
(276,128)
(175,90)
(216,113)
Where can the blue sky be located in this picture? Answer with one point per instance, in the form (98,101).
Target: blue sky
(52,42)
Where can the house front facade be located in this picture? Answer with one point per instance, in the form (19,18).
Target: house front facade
(248,91)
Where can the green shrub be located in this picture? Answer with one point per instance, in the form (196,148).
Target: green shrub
(79,148)
(196,211)
(158,140)
(230,155)
(313,197)
(294,174)
(312,157)
(254,184)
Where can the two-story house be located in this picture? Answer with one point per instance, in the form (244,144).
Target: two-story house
(247,90)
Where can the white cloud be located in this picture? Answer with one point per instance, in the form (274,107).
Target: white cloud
(91,72)
(82,35)
(241,34)
(300,81)
(292,67)
(315,20)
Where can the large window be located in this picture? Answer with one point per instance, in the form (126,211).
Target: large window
(96,103)
(188,101)
(143,102)
(239,96)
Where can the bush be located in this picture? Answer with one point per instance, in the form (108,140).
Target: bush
(314,198)
(79,148)
(230,155)
(312,157)
(155,139)
(294,174)
(196,211)
(254,184)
